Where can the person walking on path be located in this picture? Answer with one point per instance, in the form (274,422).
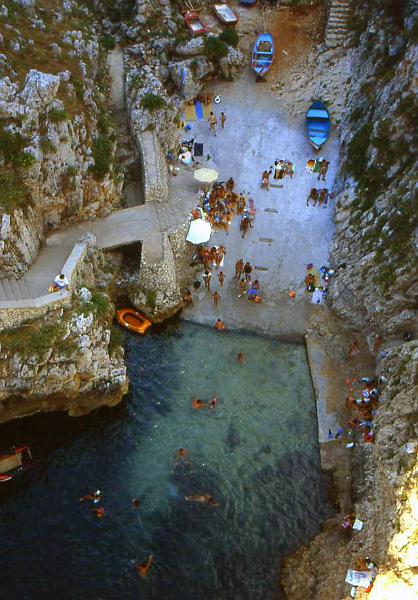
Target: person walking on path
(247,271)
(223,119)
(213,121)
(323,169)
(216,298)
(221,278)
(206,279)
(239,265)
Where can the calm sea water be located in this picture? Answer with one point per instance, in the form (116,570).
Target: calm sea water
(256,453)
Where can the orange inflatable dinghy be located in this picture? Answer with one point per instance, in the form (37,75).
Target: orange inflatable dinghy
(133,320)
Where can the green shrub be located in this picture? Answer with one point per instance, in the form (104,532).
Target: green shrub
(47,146)
(103,123)
(357,151)
(99,305)
(108,42)
(230,37)
(56,115)
(152,102)
(13,192)
(408,105)
(151,299)
(12,146)
(356,114)
(23,160)
(71,171)
(30,341)
(194,65)
(78,88)
(102,155)
(116,339)
(215,48)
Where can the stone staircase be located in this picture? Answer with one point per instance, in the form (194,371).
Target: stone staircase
(337,26)
(125,152)
(36,281)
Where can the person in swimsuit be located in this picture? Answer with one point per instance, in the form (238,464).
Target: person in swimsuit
(143,568)
(202,499)
(198,404)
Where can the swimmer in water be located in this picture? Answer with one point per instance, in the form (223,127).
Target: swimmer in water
(99,512)
(203,499)
(135,502)
(143,568)
(96,497)
(241,358)
(182,457)
(198,404)
(213,402)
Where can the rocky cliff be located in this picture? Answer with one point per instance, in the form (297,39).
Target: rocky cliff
(375,291)
(56,137)
(376,207)
(70,360)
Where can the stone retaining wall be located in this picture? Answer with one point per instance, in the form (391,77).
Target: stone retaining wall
(154,167)
(15,313)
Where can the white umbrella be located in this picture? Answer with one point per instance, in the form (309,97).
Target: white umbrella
(206,175)
(199,232)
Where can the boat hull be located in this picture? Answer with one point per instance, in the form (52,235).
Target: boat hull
(225,14)
(263,55)
(318,124)
(133,321)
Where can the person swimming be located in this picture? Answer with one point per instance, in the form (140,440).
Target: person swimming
(144,567)
(203,499)
(197,404)
(213,402)
(135,502)
(99,512)
(182,457)
(241,358)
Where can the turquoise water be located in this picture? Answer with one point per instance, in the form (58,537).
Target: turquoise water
(256,453)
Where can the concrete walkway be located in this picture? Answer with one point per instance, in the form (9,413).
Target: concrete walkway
(287,234)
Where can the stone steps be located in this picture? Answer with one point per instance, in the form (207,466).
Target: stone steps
(337,25)
(36,281)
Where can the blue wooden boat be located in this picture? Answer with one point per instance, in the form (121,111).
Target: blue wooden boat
(263,54)
(248,2)
(318,124)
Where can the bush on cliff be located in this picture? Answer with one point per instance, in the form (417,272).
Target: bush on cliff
(230,37)
(357,151)
(12,147)
(215,47)
(31,340)
(102,154)
(152,102)
(13,192)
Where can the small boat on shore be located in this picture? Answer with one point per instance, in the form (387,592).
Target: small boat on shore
(318,124)
(263,54)
(132,320)
(194,23)
(13,461)
(225,14)
(248,2)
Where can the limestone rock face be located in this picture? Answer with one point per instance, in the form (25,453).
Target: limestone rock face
(183,78)
(231,65)
(376,209)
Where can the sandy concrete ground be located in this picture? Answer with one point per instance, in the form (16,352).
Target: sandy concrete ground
(286,234)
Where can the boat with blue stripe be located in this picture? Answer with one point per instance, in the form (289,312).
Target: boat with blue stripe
(318,124)
(263,54)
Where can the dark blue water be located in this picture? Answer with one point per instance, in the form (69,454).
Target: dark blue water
(256,454)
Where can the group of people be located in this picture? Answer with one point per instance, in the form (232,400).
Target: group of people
(220,205)
(213,121)
(319,197)
(280,169)
(364,401)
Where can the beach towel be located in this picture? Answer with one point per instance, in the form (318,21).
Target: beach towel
(197,111)
(314,165)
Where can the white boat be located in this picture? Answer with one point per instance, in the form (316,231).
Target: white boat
(225,14)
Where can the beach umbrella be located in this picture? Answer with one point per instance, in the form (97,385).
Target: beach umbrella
(206,175)
(199,232)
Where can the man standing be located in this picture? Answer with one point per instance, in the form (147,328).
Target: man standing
(206,279)
(323,169)
(239,265)
(247,271)
(213,121)
(223,119)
